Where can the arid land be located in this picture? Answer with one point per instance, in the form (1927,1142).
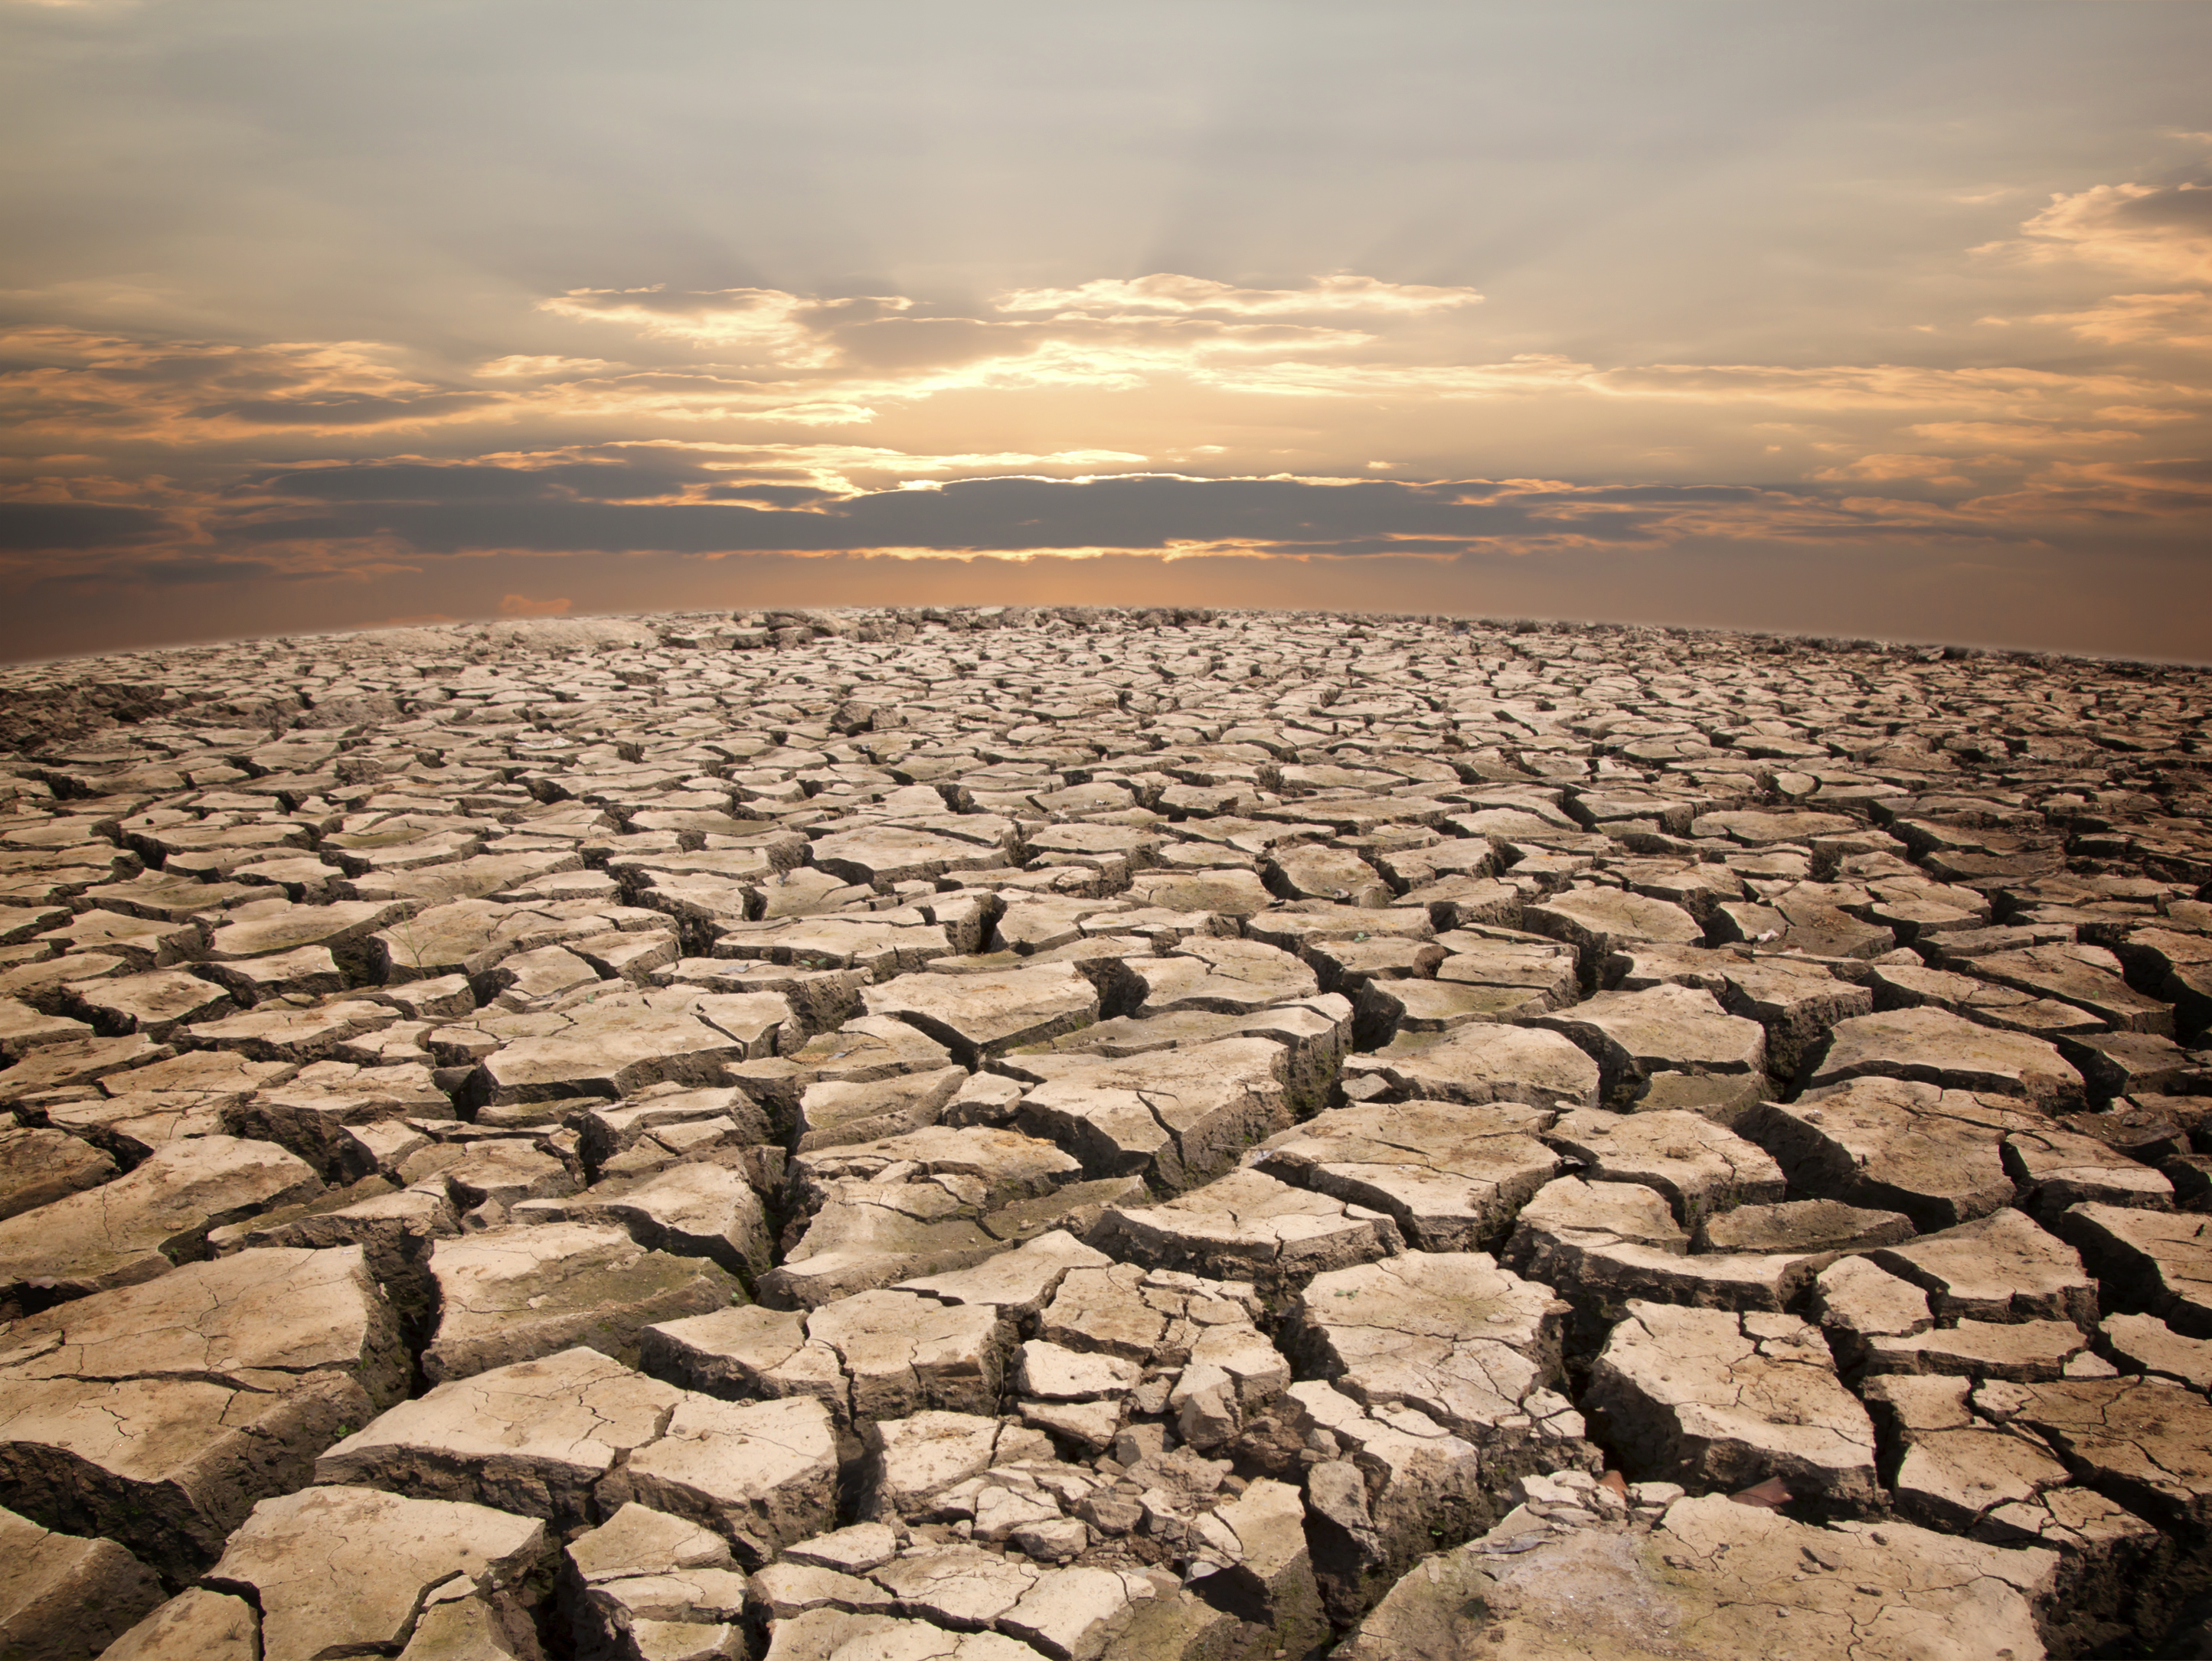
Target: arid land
(1052,1135)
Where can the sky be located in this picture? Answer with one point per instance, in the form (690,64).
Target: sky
(1850,318)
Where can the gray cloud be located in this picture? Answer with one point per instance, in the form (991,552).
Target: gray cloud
(448,510)
(2188,206)
(1001,514)
(34,527)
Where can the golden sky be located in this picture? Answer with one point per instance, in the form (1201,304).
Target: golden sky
(1852,319)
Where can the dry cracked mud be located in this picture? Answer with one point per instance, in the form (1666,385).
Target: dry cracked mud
(1027,1134)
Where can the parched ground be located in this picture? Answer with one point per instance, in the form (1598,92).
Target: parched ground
(1017,1134)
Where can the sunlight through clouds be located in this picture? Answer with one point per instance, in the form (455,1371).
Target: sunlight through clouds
(1164,291)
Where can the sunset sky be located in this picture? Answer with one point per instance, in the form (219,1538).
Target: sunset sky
(1846,319)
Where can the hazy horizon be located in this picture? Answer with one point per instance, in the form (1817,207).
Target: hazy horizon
(1882,320)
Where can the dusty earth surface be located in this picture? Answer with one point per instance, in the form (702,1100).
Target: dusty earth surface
(1006,1135)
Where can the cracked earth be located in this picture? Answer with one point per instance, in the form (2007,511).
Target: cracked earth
(1013,1134)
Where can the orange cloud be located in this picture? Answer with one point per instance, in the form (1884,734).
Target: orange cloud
(758,325)
(517,365)
(837,466)
(1934,470)
(82,382)
(2016,435)
(2103,494)
(2147,230)
(1995,388)
(2139,415)
(1165,291)
(520,605)
(2175,320)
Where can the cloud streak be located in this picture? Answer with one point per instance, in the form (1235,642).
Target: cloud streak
(300,520)
(2148,231)
(1168,292)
